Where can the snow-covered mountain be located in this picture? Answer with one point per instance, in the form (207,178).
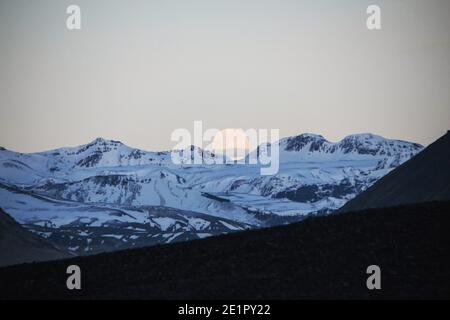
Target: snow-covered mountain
(108,186)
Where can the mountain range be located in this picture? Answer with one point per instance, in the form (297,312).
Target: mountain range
(106,196)
(319,257)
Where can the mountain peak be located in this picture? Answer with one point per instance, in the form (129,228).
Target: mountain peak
(101,140)
(297,143)
(308,135)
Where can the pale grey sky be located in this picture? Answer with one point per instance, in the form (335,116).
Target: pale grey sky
(140,69)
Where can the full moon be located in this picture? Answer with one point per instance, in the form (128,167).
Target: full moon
(232,142)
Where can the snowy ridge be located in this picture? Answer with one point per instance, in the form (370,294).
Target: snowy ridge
(353,147)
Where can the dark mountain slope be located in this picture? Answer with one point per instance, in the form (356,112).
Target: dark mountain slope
(324,257)
(18,245)
(425,177)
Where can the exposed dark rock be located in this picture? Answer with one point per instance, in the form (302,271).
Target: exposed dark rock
(299,142)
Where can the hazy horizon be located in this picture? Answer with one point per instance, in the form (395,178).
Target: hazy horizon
(140,69)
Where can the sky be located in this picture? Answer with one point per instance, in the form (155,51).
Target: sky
(137,70)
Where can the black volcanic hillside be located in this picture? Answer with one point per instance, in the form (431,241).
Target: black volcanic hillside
(324,257)
(18,245)
(425,177)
